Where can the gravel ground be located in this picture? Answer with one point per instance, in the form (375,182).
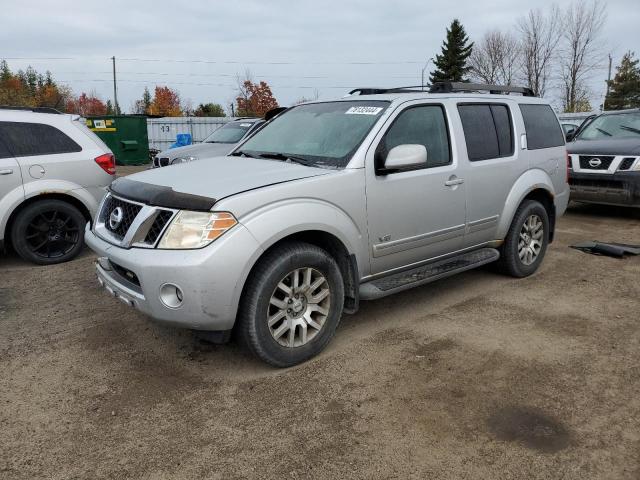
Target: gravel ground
(476,376)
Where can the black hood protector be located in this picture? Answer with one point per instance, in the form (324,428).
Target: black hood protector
(609,146)
(160,196)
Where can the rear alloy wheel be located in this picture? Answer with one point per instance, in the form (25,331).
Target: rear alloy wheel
(291,305)
(48,232)
(526,244)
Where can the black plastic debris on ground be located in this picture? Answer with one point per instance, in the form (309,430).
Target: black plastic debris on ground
(617,250)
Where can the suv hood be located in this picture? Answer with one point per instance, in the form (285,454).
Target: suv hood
(200,150)
(613,146)
(199,185)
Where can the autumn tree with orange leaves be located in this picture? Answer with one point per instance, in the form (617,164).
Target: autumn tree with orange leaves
(166,103)
(254,99)
(29,88)
(86,105)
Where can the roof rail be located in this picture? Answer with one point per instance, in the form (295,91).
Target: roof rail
(32,109)
(381,91)
(449,87)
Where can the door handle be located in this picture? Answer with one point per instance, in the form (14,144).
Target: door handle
(8,171)
(454,181)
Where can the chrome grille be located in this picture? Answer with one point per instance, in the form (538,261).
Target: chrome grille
(161,221)
(595,162)
(129,213)
(626,163)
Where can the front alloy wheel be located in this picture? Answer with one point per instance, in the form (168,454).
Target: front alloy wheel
(292,304)
(299,307)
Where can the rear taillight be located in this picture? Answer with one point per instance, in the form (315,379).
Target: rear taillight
(107,162)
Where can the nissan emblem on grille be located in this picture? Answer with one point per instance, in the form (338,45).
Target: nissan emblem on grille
(595,162)
(115,219)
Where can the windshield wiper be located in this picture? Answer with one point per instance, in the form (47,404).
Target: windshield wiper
(288,158)
(240,153)
(630,129)
(603,131)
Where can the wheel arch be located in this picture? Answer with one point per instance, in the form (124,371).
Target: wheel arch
(347,261)
(532,185)
(41,197)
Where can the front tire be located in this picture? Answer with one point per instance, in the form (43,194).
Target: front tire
(291,305)
(526,242)
(48,232)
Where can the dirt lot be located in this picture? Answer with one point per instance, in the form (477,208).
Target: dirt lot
(477,376)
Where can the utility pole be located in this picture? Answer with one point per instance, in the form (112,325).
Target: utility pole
(604,103)
(116,107)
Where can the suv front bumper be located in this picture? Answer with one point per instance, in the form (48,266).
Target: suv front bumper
(210,278)
(620,188)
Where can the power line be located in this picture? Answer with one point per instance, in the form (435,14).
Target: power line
(267,63)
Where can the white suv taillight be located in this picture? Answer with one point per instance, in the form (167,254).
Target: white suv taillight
(107,162)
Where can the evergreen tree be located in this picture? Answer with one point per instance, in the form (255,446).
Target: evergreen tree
(624,89)
(451,64)
(110,110)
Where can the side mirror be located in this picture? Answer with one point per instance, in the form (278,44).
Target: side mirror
(570,134)
(405,156)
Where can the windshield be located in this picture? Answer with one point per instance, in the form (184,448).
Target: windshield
(612,125)
(229,133)
(317,134)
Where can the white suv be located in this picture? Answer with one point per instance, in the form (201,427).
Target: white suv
(53,173)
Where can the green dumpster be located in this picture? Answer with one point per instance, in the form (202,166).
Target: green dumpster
(125,135)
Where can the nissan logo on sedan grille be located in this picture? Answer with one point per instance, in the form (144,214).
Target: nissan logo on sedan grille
(595,162)
(115,219)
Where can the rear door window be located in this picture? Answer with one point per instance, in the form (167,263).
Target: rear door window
(25,139)
(487,130)
(542,126)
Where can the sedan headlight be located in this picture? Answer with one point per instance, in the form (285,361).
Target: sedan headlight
(178,160)
(190,230)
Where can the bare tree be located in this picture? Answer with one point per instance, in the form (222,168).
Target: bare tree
(539,36)
(303,99)
(241,85)
(495,58)
(580,53)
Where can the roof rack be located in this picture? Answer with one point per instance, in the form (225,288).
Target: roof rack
(449,87)
(381,91)
(32,109)
(446,87)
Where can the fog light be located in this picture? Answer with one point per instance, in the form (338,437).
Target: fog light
(171,295)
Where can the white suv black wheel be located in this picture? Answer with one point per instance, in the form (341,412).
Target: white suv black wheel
(48,232)
(291,305)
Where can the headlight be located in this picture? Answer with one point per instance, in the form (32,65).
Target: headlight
(178,160)
(196,229)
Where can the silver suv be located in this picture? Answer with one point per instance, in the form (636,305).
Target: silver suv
(53,173)
(335,202)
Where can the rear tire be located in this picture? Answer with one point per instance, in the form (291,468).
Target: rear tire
(291,305)
(48,232)
(526,243)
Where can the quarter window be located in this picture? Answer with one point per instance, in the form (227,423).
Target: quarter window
(25,139)
(487,130)
(543,128)
(424,125)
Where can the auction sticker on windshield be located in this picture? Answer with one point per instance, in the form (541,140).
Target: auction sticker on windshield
(364,111)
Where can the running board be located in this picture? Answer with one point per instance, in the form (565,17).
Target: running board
(427,273)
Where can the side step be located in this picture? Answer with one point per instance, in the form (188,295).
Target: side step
(427,273)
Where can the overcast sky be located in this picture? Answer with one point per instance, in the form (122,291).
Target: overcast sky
(297,46)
